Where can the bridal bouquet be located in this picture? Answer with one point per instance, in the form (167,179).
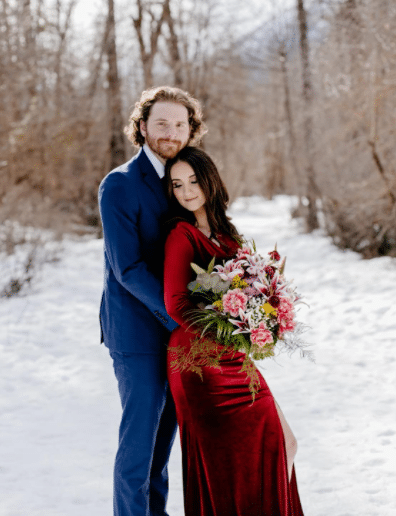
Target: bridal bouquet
(250,305)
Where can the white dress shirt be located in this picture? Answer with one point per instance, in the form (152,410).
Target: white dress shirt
(159,167)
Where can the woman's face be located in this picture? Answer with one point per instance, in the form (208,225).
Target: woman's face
(186,188)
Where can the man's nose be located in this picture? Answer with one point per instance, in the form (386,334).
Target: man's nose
(171,132)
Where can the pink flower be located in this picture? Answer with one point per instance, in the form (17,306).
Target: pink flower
(233,301)
(261,335)
(243,324)
(285,325)
(230,269)
(285,316)
(263,289)
(243,252)
(285,309)
(251,279)
(251,292)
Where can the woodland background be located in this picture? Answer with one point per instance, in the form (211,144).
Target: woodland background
(300,99)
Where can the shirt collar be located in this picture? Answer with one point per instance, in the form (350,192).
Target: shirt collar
(159,167)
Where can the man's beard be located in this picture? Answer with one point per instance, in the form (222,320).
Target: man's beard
(166,149)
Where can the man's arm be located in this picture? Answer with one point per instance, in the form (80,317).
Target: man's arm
(119,212)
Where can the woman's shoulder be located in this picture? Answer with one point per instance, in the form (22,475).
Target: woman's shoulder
(182,227)
(181,230)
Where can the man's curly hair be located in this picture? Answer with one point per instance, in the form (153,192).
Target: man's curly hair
(166,94)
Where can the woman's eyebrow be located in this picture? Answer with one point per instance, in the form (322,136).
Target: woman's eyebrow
(176,179)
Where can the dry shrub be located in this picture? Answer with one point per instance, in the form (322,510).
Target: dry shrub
(53,171)
(23,252)
(363,220)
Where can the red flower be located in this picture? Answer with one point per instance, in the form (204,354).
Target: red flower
(274,301)
(275,255)
(269,270)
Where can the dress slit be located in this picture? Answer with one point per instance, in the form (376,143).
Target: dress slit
(290,440)
(235,452)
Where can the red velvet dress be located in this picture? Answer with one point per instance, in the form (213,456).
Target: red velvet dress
(233,450)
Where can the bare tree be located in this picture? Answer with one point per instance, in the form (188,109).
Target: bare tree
(353,129)
(62,27)
(148,49)
(292,147)
(173,46)
(60,112)
(312,189)
(117,142)
(98,63)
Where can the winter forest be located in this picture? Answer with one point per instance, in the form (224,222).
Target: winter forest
(299,97)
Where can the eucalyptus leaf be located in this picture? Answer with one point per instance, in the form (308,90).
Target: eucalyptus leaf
(211,264)
(197,269)
(282,266)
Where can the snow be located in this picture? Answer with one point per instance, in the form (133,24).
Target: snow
(60,410)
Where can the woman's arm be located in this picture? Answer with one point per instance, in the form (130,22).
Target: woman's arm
(179,253)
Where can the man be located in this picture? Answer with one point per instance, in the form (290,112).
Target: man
(135,325)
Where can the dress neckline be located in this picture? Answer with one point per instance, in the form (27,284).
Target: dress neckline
(220,246)
(225,242)
(224,246)
(211,238)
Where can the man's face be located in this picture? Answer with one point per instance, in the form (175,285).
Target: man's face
(167,129)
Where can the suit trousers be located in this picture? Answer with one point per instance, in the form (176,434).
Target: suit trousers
(147,431)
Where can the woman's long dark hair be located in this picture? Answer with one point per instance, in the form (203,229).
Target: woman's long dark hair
(215,192)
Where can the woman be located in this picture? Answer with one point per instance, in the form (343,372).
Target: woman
(237,455)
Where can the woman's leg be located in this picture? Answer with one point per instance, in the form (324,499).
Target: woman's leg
(290,440)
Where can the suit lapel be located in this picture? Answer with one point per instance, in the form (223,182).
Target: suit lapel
(151,178)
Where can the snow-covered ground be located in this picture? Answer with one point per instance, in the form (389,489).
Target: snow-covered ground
(59,406)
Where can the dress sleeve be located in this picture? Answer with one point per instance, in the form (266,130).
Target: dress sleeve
(179,253)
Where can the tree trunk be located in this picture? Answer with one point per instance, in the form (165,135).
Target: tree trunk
(145,56)
(311,189)
(289,121)
(148,52)
(117,142)
(62,30)
(175,59)
(95,75)
(29,50)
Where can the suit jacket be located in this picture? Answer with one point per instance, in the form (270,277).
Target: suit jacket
(133,206)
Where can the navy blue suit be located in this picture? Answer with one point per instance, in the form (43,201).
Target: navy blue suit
(135,328)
